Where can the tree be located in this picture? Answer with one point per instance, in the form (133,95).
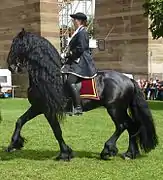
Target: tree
(154,10)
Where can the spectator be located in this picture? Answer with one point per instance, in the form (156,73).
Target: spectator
(153,89)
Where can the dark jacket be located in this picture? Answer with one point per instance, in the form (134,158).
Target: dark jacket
(80,61)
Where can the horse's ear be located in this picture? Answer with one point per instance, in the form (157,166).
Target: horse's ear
(22,33)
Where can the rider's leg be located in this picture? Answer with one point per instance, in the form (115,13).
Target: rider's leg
(74,92)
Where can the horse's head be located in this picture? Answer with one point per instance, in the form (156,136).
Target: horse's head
(17,56)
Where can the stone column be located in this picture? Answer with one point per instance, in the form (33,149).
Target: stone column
(38,16)
(49,20)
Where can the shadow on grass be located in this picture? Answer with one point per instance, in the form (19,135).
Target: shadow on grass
(41,154)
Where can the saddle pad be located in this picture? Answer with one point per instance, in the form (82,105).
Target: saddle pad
(88,89)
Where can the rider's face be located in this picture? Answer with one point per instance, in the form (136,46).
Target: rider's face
(76,23)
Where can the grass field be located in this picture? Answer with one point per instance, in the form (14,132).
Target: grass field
(86,135)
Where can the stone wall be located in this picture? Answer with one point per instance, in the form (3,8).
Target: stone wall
(155,58)
(38,16)
(49,16)
(125,30)
(15,15)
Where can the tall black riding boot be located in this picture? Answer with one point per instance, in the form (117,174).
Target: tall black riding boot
(76,99)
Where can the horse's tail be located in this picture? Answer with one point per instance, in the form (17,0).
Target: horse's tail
(142,116)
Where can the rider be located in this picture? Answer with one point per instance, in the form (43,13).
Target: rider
(79,64)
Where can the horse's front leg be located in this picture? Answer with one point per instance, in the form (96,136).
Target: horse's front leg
(66,152)
(17,141)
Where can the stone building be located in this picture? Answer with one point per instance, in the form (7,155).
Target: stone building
(38,16)
(124,39)
(125,43)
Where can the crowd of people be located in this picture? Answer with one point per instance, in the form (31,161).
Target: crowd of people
(153,88)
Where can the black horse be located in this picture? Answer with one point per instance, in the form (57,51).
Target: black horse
(47,96)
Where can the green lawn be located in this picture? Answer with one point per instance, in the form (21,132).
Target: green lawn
(86,135)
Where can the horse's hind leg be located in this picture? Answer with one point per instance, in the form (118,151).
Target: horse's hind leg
(17,141)
(133,148)
(66,152)
(110,148)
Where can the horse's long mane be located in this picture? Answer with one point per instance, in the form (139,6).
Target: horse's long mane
(44,65)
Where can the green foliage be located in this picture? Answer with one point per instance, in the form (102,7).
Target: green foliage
(90,27)
(154,9)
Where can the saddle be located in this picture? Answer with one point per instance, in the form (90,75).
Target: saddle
(87,88)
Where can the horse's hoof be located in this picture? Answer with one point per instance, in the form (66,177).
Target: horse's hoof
(10,149)
(105,157)
(65,156)
(130,155)
(109,152)
(127,156)
(16,145)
